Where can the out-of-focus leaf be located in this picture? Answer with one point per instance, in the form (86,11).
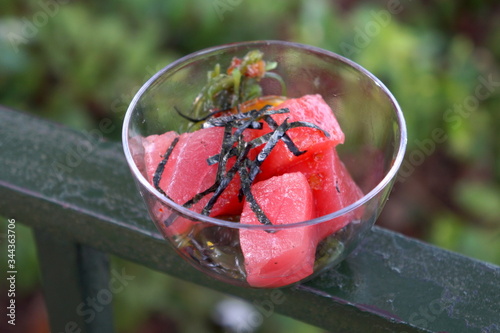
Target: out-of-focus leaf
(451,232)
(481,200)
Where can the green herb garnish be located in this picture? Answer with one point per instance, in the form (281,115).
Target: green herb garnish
(240,83)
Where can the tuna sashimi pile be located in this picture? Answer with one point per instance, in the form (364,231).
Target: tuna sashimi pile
(287,187)
(254,160)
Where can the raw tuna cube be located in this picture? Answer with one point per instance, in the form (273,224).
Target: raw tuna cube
(309,108)
(154,148)
(286,256)
(190,173)
(187,172)
(332,187)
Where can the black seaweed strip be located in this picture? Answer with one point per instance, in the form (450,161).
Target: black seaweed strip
(196,120)
(161,167)
(220,169)
(221,182)
(232,152)
(200,196)
(277,135)
(227,143)
(228,177)
(237,136)
(222,121)
(245,187)
(286,139)
(247,169)
(214,159)
(252,114)
(261,140)
(256,125)
(228,149)
(267,112)
(241,150)
(271,139)
(296,124)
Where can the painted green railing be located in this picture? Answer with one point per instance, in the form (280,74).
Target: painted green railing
(76,192)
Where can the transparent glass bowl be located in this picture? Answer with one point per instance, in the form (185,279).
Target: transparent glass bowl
(375,142)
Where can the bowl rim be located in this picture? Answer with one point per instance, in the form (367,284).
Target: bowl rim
(185,212)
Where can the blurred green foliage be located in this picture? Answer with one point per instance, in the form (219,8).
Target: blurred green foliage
(79,62)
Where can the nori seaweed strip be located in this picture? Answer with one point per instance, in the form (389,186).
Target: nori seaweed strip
(267,112)
(272,139)
(234,118)
(221,186)
(227,143)
(222,162)
(242,149)
(254,124)
(250,123)
(228,177)
(237,135)
(247,168)
(265,138)
(221,180)
(234,150)
(286,139)
(161,166)
(200,196)
(215,158)
(245,187)
(228,150)
(277,135)
(295,124)
(223,120)
(261,139)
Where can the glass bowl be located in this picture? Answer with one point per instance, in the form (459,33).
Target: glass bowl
(279,254)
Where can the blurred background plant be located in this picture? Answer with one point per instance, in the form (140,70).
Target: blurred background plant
(80,62)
